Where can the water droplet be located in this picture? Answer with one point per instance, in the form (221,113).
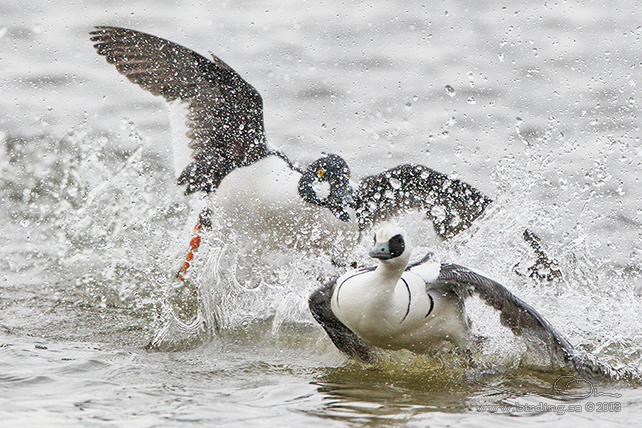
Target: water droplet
(450,90)
(438,213)
(500,56)
(471,100)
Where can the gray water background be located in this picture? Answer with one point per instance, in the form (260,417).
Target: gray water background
(535,103)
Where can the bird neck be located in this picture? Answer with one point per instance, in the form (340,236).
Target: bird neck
(390,271)
(289,163)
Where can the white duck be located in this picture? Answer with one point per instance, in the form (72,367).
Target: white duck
(419,307)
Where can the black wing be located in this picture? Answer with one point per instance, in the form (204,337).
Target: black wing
(342,337)
(225,113)
(451,204)
(515,314)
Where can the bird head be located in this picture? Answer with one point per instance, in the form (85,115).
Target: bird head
(326,182)
(392,245)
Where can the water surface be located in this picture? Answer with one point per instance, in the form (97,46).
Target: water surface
(536,104)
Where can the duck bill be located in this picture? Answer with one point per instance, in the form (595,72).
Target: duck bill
(381,252)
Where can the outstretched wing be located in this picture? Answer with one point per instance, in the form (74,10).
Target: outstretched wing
(224,112)
(515,314)
(342,337)
(451,204)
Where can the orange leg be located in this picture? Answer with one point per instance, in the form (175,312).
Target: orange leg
(193,245)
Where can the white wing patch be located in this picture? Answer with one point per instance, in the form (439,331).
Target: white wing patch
(427,271)
(182,154)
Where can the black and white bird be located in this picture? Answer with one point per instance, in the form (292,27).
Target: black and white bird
(227,152)
(419,307)
(257,187)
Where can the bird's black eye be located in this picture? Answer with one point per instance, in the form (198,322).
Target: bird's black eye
(396,245)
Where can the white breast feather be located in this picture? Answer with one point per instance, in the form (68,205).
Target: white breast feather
(263,198)
(388,318)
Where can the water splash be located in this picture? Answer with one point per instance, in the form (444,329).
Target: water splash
(114,227)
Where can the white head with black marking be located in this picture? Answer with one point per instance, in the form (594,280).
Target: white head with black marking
(391,246)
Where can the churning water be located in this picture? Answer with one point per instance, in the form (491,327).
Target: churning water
(536,104)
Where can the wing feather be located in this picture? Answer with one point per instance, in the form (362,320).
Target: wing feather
(451,204)
(515,314)
(225,113)
(342,337)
